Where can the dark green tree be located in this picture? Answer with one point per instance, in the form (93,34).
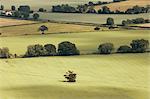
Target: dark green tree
(110,21)
(4,53)
(124,49)
(67,48)
(106,48)
(139,46)
(51,49)
(2,7)
(36,16)
(13,8)
(35,51)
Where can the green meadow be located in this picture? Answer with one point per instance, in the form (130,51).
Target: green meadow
(87,42)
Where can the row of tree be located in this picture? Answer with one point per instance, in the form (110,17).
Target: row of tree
(135,21)
(104,10)
(136,46)
(134,10)
(64,49)
(67,48)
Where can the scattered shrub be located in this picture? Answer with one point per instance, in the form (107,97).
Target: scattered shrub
(106,48)
(42,10)
(67,48)
(124,49)
(70,76)
(4,53)
(139,46)
(97,28)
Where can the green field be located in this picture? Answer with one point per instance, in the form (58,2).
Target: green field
(90,18)
(98,77)
(115,76)
(87,42)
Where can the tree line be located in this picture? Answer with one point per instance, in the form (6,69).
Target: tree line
(135,21)
(65,8)
(67,48)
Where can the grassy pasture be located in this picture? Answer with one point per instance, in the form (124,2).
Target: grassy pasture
(123,6)
(122,76)
(53,28)
(90,18)
(87,42)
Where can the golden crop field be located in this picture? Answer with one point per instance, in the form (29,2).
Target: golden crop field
(122,6)
(11,22)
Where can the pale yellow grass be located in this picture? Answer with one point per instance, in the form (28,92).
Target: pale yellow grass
(122,76)
(122,6)
(9,22)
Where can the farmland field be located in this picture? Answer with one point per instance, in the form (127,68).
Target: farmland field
(90,18)
(87,42)
(120,76)
(53,28)
(10,22)
(123,6)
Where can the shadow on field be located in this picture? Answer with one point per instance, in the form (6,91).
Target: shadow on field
(72,92)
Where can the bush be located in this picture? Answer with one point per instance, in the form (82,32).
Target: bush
(4,53)
(36,16)
(42,10)
(35,51)
(51,49)
(70,76)
(124,49)
(66,48)
(139,46)
(97,28)
(106,48)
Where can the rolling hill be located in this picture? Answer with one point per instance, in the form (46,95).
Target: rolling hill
(122,6)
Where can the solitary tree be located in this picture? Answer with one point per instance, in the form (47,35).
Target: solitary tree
(2,7)
(36,16)
(110,21)
(13,8)
(4,53)
(70,76)
(43,28)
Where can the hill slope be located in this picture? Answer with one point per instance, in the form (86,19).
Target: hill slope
(122,6)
